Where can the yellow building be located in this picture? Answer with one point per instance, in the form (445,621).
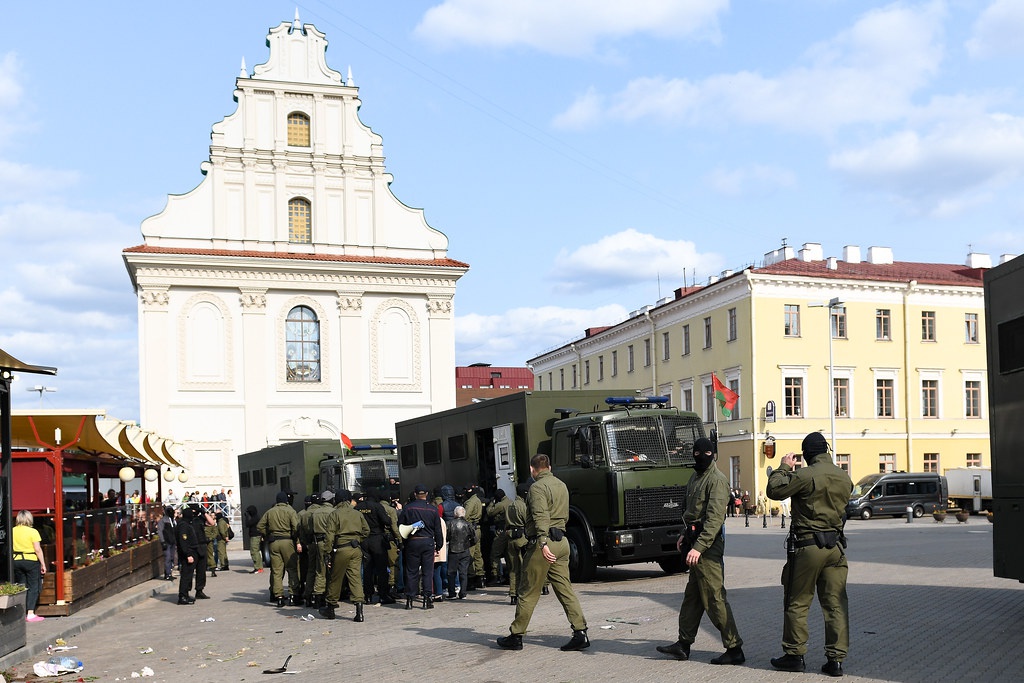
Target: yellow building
(905,340)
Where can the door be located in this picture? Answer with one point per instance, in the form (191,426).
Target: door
(505,460)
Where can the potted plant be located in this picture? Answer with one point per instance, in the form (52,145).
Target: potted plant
(12,594)
(939,515)
(962,516)
(989,515)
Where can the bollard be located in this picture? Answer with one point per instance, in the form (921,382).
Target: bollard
(764,521)
(910,514)
(746,517)
(783,520)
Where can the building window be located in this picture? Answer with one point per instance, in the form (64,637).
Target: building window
(794,390)
(707,332)
(647,353)
(838,322)
(971,328)
(791,320)
(574,380)
(600,368)
(686,340)
(688,399)
(886,462)
(884,398)
(732,324)
(928,326)
(540,382)
(883,331)
(298,129)
(931,462)
(929,398)
(561,378)
(664,345)
(586,372)
(551,380)
(615,363)
(629,358)
(843,462)
(300,221)
(972,398)
(302,345)
(841,396)
(974,459)
(734,386)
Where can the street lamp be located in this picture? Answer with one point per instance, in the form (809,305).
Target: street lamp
(833,303)
(42,390)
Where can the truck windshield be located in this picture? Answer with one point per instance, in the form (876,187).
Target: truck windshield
(368,475)
(652,440)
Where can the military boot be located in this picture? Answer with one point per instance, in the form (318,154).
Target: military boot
(734,655)
(296,600)
(327,612)
(186,600)
(789,663)
(428,602)
(513,600)
(832,667)
(200,595)
(678,649)
(359,612)
(512,641)
(281,601)
(579,641)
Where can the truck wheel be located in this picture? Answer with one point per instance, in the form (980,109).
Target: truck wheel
(672,565)
(865,513)
(581,557)
(918,511)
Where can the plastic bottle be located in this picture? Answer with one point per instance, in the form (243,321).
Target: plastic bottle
(66,663)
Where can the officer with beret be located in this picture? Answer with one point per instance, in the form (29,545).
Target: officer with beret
(816,557)
(345,531)
(703,541)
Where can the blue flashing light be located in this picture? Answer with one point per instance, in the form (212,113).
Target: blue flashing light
(636,400)
(375,447)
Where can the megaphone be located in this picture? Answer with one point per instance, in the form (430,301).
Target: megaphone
(407,530)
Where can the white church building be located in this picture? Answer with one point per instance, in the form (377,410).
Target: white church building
(290,295)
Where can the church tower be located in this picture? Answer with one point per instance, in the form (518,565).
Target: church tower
(290,295)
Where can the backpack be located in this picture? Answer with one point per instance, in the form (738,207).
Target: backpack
(231,533)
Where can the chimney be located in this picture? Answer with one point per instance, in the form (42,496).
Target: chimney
(811,252)
(851,253)
(880,256)
(979,261)
(1007,257)
(726,273)
(831,263)
(778,256)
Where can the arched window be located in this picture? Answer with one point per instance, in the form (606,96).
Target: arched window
(300,221)
(298,129)
(302,345)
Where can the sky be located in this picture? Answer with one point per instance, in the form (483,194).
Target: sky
(585,157)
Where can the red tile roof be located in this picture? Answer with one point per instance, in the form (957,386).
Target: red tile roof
(900,271)
(441,263)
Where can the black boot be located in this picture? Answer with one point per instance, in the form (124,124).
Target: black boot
(789,663)
(428,602)
(511,642)
(296,601)
(200,595)
(386,599)
(513,600)
(327,612)
(359,612)
(678,649)
(544,590)
(408,603)
(734,655)
(579,641)
(832,667)
(213,573)
(281,601)
(185,600)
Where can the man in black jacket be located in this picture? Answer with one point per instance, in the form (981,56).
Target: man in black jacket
(420,547)
(190,553)
(375,549)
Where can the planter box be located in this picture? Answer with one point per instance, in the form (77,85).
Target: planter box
(12,624)
(9,601)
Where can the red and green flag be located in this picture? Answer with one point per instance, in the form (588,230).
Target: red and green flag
(725,396)
(346,441)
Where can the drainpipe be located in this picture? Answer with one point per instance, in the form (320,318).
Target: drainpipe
(911,286)
(579,366)
(654,357)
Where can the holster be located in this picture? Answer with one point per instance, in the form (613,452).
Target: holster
(556,534)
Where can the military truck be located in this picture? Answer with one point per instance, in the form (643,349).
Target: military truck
(625,460)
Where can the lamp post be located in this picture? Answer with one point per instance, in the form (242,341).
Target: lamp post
(832,304)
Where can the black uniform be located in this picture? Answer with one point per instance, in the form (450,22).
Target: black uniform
(188,548)
(420,547)
(375,549)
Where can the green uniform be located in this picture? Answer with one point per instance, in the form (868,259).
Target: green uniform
(499,545)
(547,509)
(515,516)
(280,526)
(707,500)
(346,529)
(393,542)
(222,543)
(474,513)
(210,532)
(819,493)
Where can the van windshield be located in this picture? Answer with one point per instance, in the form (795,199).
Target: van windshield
(864,485)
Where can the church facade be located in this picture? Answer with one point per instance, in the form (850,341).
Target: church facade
(290,295)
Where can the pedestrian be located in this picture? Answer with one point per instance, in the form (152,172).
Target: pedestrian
(420,546)
(307,560)
(29,561)
(346,530)
(703,542)
(375,549)
(393,539)
(189,553)
(461,537)
(211,533)
(224,534)
(474,513)
(515,517)
(499,543)
(167,529)
(315,585)
(547,557)
(172,498)
(280,526)
(250,520)
(815,553)
(202,524)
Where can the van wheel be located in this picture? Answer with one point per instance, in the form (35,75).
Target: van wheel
(865,513)
(581,558)
(918,511)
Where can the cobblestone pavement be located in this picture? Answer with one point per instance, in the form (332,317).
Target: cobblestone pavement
(924,607)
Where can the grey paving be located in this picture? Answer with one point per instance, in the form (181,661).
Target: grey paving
(924,607)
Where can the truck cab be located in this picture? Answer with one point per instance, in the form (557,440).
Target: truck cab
(370,467)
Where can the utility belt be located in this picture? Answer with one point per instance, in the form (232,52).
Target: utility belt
(347,544)
(516,532)
(821,539)
(554,533)
(319,538)
(274,538)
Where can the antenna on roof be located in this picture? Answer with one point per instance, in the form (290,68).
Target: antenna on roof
(296,24)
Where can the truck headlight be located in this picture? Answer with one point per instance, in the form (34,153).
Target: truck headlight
(624,538)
